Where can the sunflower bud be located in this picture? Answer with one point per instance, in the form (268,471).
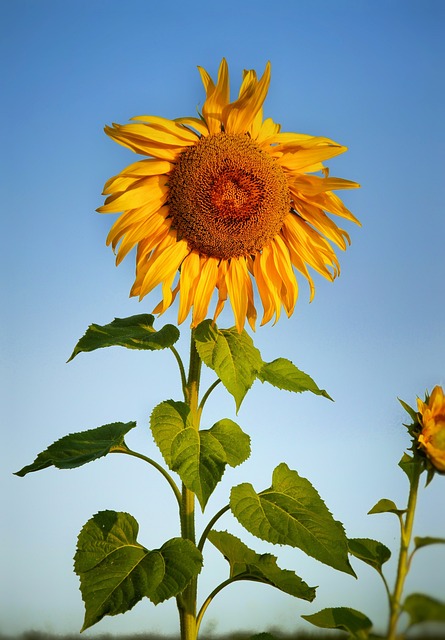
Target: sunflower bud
(431,438)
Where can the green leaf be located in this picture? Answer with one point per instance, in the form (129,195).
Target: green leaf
(291,512)
(426,541)
(344,618)
(234,441)
(167,421)
(422,608)
(199,457)
(282,373)
(232,356)
(200,462)
(369,551)
(79,448)
(116,571)
(386,506)
(135,332)
(248,565)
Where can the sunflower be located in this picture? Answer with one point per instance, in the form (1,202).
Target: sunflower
(224,201)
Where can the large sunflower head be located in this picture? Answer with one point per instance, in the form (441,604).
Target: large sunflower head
(224,201)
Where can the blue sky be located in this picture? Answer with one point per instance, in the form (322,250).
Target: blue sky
(366,74)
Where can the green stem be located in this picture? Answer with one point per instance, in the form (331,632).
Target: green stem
(187,600)
(207,393)
(208,528)
(215,592)
(157,466)
(181,368)
(406,526)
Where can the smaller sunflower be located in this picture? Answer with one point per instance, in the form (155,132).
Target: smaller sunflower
(223,201)
(432,419)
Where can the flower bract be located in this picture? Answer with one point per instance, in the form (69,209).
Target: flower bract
(223,202)
(432,419)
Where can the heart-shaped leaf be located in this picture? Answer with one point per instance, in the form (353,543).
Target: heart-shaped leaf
(369,551)
(116,571)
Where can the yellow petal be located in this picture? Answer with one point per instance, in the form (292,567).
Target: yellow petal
(165,126)
(289,286)
(144,192)
(221,285)
(268,128)
(205,288)
(318,219)
(164,262)
(238,281)
(143,144)
(264,277)
(217,97)
(196,123)
(302,158)
(188,281)
(151,227)
(239,115)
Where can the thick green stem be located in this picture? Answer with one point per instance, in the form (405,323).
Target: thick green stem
(406,528)
(187,600)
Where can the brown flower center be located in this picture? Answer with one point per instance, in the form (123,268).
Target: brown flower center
(228,197)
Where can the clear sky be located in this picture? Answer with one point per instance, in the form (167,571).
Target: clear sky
(368,74)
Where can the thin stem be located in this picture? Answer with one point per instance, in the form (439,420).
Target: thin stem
(207,393)
(385,582)
(208,528)
(181,368)
(404,560)
(157,466)
(215,592)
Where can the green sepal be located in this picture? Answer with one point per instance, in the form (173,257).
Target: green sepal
(291,512)
(199,457)
(412,467)
(282,373)
(386,506)
(79,448)
(232,356)
(369,551)
(412,412)
(423,608)
(420,542)
(135,332)
(116,572)
(249,565)
(354,622)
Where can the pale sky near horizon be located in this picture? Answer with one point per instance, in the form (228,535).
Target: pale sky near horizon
(368,74)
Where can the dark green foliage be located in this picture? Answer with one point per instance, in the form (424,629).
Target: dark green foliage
(116,571)
(291,512)
(135,332)
(79,448)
